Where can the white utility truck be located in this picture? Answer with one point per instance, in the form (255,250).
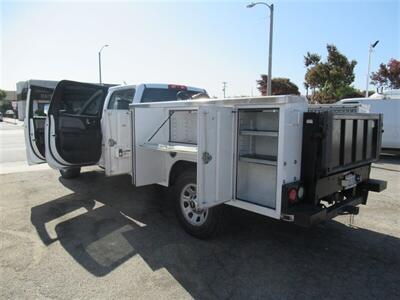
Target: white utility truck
(274,156)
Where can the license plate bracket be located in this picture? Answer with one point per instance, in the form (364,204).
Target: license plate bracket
(349,181)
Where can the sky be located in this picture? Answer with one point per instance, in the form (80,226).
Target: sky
(197,43)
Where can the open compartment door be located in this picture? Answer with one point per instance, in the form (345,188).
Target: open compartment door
(215,156)
(149,164)
(37,102)
(73,130)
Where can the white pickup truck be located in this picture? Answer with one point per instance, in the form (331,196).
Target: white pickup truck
(275,156)
(90,124)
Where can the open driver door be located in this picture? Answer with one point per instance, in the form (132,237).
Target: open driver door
(73,130)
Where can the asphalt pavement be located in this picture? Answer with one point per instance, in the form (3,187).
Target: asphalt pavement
(12,149)
(102,238)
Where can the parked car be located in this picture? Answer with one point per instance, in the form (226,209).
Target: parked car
(9,113)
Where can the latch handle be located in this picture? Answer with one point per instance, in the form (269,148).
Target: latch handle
(206,157)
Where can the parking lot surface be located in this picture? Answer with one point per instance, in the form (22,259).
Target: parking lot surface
(96,237)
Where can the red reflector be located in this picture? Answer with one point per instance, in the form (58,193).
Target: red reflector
(292,195)
(177,87)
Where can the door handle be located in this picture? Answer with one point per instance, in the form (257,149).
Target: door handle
(206,157)
(121,152)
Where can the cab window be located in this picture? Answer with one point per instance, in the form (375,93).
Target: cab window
(161,95)
(121,99)
(79,100)
(39,99)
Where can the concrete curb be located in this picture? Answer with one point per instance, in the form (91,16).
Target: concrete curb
(13,121)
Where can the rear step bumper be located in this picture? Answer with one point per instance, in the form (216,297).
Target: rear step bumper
(309,215)
(375,185)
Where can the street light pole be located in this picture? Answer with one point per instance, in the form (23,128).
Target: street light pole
(224,88)
(100,62)
(371,47)
(271,25)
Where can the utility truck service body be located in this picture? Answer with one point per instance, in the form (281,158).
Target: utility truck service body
(274,156)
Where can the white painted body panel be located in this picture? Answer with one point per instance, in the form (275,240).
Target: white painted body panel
(118,129)
(215,156)
(116,158)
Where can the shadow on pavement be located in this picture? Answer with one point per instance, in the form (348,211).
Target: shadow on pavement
(106,221)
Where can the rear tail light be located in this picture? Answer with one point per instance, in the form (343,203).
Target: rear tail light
(177,87)
(295,194)
(292,195)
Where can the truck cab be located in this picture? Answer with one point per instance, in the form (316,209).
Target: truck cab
(89,124)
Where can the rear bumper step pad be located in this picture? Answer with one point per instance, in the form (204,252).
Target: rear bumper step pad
(309,215)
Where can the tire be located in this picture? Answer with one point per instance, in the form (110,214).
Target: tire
(70,173)
(200,224)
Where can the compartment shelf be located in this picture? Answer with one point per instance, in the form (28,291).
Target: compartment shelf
(257,146)
(259,159)
(271,133)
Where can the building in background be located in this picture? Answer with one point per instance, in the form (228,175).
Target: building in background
(12,97)
(39,91)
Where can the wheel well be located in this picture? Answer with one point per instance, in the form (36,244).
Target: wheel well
(179,167)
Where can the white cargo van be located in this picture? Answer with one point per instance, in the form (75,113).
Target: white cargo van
(390,108)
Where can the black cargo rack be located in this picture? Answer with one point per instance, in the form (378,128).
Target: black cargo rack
(334,142)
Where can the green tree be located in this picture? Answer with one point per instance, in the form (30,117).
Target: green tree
(387,76)
(2,95)
(280,86)
(330,80)
(4,105)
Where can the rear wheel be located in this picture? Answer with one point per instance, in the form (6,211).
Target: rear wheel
(201,223)
(70,173)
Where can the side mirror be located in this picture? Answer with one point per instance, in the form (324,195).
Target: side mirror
(183,95)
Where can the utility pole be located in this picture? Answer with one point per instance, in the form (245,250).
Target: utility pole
(224,88)
(371,48)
